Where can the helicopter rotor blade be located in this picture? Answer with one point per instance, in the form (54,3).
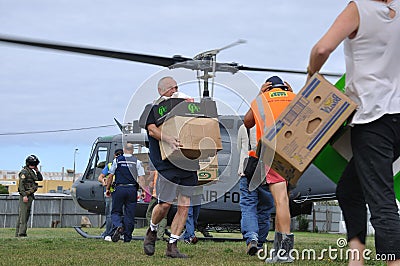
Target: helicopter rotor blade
(171,62)
(143,58)
(245,68)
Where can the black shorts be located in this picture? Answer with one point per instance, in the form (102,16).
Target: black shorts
(172,182)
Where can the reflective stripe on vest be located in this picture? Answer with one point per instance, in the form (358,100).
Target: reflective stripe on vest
(274,102)
(126,171)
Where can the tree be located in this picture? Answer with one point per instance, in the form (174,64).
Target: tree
(3,189)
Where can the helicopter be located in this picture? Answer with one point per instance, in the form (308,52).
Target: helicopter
(219,205)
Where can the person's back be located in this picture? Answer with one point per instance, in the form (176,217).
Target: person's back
(270,105)
(374,52)
(274,97)
(127,169)
(370,31)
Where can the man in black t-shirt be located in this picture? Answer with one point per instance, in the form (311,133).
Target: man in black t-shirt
(173,181)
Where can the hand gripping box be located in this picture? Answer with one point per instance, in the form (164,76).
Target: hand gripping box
(304,127)
(199,137)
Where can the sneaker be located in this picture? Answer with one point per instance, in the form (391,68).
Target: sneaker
(117,234)
(108,238)
(192,240)
(252,248)
(173,252)
(149,244)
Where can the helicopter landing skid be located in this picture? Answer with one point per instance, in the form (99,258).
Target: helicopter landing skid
(84,234)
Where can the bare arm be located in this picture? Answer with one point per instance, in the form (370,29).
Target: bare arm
(109,181)
(248,120)
(156,133)
(102,180)
(345,25)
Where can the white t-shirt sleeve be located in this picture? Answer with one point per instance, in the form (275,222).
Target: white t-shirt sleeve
(139,167)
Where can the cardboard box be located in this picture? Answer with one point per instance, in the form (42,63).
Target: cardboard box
(177,106)
(304,127)
(208,171)
(199,137)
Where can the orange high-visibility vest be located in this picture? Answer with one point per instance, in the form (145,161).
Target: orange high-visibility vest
(268,106)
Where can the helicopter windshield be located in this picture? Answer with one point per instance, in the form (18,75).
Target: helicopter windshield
(98,161)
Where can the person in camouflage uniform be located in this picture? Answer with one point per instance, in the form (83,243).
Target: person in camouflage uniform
(27,187)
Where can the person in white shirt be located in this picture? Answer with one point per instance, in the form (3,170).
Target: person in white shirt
(370,30)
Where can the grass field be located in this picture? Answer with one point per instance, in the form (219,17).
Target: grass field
(63,246)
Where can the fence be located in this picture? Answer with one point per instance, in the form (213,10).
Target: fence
(324,218)
(47,211)
(58,210)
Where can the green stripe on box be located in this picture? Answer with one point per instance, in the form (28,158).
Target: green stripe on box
(332,164)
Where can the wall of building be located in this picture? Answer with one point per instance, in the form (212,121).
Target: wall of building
(53,181)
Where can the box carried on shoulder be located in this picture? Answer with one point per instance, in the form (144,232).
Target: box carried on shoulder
(305,127)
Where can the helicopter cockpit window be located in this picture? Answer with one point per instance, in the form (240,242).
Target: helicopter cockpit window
(99,160)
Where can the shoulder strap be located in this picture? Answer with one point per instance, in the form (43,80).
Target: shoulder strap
(248,136)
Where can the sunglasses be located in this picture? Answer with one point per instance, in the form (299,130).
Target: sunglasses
(174,87)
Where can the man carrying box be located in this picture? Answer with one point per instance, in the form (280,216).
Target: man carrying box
(172,181)
(274,97)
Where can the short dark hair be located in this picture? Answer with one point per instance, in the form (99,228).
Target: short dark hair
(118,152)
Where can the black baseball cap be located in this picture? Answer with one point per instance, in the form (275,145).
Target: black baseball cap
(277,82)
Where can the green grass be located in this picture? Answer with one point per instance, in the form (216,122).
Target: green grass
(63,246)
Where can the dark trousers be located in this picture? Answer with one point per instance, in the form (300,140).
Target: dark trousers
(124,199)
(368,179)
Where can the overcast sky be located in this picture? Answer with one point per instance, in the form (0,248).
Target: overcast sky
(44,90)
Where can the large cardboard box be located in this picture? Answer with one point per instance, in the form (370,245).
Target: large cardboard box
(177,106)
(208,171)
(199,137)
(305,127)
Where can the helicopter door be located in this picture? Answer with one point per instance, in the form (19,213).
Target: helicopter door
(90,193)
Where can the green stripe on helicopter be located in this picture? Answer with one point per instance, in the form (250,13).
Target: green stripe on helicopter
(332,164)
